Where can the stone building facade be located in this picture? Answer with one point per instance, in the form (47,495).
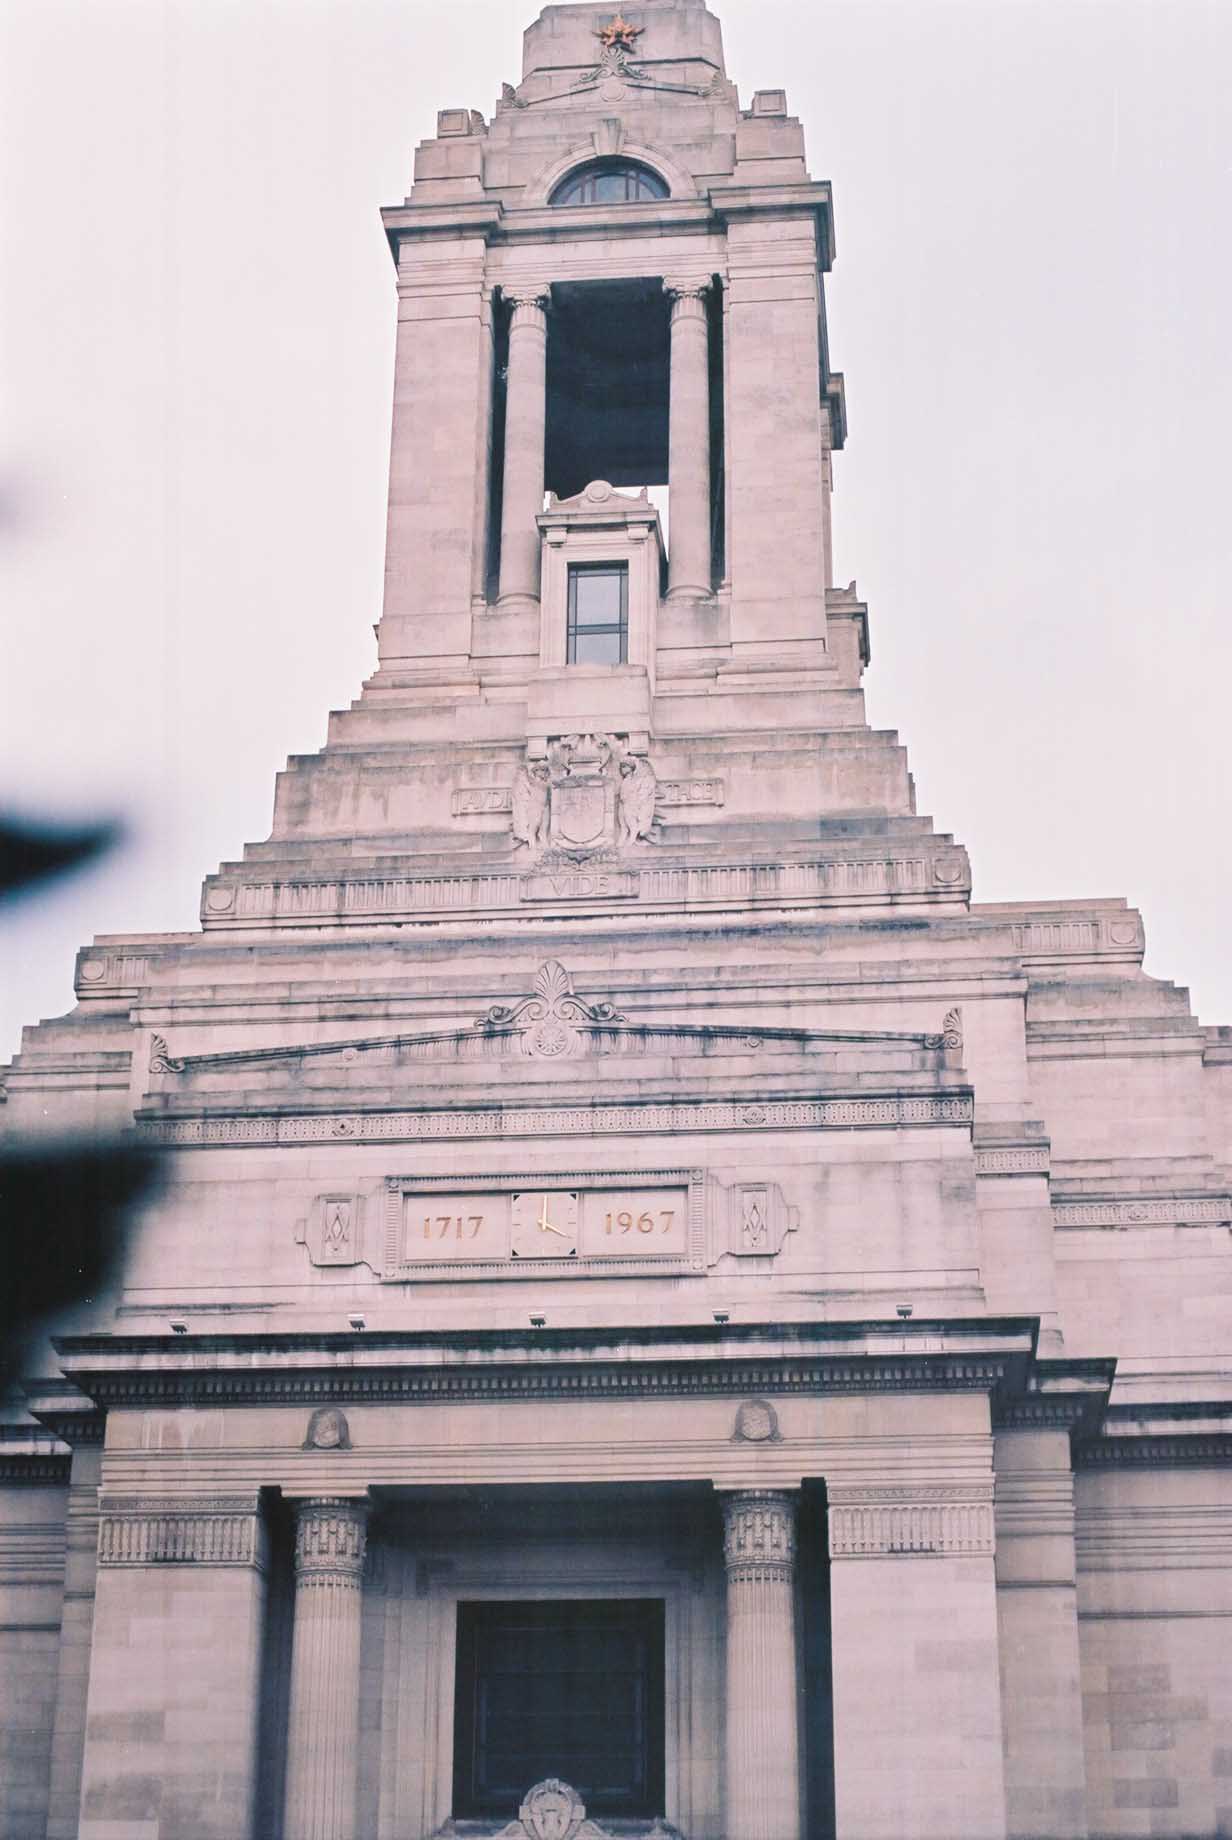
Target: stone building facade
(660,1301)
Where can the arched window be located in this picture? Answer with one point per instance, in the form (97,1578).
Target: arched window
(609,182)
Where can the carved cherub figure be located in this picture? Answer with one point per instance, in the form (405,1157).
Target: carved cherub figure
(530,805)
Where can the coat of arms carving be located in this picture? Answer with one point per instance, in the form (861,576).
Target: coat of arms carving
(591,794)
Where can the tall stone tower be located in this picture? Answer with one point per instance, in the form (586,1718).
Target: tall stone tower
(664,1315)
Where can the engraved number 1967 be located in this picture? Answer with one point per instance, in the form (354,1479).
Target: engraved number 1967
(625,1221)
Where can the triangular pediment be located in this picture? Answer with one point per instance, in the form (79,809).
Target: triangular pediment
(552,1024)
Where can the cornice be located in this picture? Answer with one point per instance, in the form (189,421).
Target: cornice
(65,1411)
(45,1468)
(1172,1450)
(640,1118)
(1059,1395)
(513,1365)
(28,1453)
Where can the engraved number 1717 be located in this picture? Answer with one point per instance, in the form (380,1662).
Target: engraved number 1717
(451,1224)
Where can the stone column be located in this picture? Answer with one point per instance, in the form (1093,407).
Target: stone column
(917,1698)
(762,1749)
(688,457)
(323,1724)
(525,427)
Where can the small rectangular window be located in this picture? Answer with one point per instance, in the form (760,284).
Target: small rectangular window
(571,1689)
(598,631)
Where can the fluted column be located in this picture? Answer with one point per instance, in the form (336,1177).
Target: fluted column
(525,427)
(688,442)
(762,1749)
(323,1727)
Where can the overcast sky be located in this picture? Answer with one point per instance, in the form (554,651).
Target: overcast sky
(1030,305)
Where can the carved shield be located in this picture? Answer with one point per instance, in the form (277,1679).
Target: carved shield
(580,811)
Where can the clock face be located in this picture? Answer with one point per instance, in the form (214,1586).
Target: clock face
(545,1224)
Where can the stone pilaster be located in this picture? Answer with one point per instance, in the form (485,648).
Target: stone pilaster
(688,462)
(917,1703)
(525,427)
(1037,1606)
(76,1628)
(323,1728)
(762,1749)
(175,1667)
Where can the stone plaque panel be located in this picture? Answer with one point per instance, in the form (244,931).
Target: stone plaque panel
(638,1221)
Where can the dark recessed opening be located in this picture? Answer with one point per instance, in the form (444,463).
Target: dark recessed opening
(570,1689)
(607,385)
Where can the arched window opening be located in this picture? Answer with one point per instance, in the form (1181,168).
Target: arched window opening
(609,182)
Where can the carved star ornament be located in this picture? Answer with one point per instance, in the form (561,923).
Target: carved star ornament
(619,35)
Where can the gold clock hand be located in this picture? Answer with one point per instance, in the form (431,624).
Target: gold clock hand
(544,1224)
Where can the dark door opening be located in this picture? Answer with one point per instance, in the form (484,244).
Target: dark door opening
(567,1689)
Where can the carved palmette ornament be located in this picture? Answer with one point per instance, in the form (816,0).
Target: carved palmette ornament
(549,1019)
(553,1810)
(160,1060)
(951,1036)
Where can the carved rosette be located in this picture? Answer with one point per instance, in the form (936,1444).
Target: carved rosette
(759,1536)
(330,1536)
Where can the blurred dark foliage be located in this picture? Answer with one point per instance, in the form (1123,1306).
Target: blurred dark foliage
(29,852)
(64,1208)
(64,1203)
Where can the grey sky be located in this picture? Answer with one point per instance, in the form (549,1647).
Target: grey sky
(1030,304)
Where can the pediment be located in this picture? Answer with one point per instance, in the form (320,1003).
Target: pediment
(553,1026)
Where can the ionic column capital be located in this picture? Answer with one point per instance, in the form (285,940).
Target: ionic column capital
(687,295)
(759,1535)
(530,301)
(330,1539)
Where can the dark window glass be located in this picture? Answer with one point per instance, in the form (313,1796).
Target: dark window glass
(609,183)
(573,1690)
(598,630)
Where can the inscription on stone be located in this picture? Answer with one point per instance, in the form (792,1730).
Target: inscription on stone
(690,792)
(544,1223)
(582,885)
(466,800)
